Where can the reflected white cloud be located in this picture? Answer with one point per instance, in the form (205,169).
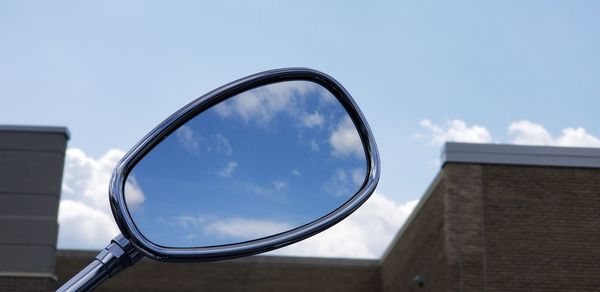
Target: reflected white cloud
(279,185)
(188,139)
(246,228)
(345,140)
(228,169)
(345,182)
(262,104)
(235,228)
(134,195)
(274,190)
(223,145)
(313,120)
(314,145)
(295,172)
(187,222)
(358,176)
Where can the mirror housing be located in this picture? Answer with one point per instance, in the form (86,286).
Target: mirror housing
(130,231)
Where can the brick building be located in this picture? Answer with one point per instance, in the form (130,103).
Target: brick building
(503,218)
(495,218)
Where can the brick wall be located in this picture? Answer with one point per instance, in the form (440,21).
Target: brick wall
(501,228)
(542,228)
(27,283)
(421,250)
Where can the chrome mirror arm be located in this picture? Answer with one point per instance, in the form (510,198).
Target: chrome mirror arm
(115,257)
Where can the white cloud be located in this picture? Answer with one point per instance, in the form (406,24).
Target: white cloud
(364,234)
(263,103)
(523,132)
(188,139)
(187,222)
(313,120)
(223,145)
(83,226)
(345,140)
(314,145)
(279,185)
(528,133)
(358,176)
(228,169)
(344,183)
(456,131)
(134,193)
(84,215)
(295,172)
(246,228)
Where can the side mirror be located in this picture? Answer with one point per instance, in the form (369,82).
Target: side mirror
(253,166)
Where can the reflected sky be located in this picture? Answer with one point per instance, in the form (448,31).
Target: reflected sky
(260,163)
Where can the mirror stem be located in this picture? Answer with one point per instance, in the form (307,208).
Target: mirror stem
(115,257)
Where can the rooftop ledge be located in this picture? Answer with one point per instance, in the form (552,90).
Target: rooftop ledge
(520,155)
(36,129)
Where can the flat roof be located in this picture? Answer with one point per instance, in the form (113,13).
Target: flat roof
(520,155)
(36,129)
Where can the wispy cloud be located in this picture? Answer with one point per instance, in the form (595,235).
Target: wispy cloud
(345,141)
(246,228)
(314,145)
(313,120)
(344,183)
(234,229)
(228,169)
(279,185)
(134,196)
(188,139)
(223,145)
(263,103)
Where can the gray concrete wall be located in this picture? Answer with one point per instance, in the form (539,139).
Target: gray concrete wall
(31,168)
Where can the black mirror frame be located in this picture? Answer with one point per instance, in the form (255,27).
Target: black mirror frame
(157,252)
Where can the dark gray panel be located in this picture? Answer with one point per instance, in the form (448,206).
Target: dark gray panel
(31,172)
(32,141)
(29,205)
(28,230)
(27,258)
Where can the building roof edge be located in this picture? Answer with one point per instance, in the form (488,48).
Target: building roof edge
(36,129)
(520,155)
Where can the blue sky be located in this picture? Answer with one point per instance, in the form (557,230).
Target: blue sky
(422,72)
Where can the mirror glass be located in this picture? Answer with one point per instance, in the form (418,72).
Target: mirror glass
(260,163)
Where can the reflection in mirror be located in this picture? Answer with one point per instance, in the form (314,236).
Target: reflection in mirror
(257,164)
